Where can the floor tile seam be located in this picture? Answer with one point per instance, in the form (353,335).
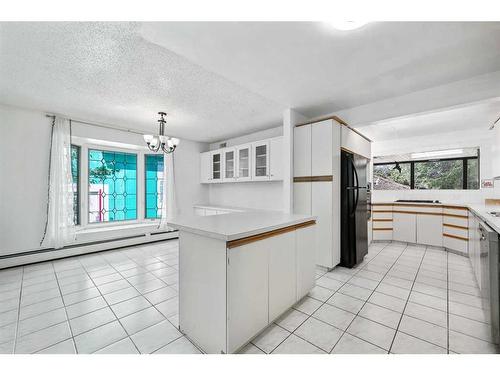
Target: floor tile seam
(18,313)
(406,303)
(357,314)
(121,325)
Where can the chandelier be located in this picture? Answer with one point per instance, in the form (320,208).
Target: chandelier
(161,141)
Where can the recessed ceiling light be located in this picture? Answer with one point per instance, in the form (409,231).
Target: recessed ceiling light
(347,25)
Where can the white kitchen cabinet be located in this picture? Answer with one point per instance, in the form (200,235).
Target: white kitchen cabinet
(302,151)
(260,162)
(306,260)
(217,166)
(404,227)
(302,198)
(321,206)
(430,229)
(246,283)
(229,164)
(205,167)
(276,166)
(321,150)
(243,164)
(282,274)
(355,143)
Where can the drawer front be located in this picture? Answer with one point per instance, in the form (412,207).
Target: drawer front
(418,208)
(455,231)
(381,215)
(382,207)
(453,220)
(382,235)
(461,211)
(381,223)
(455,244)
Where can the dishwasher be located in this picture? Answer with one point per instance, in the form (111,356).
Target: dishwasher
(489,259)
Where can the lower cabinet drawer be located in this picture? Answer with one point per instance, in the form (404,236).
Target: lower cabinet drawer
(456,244)
(382,235)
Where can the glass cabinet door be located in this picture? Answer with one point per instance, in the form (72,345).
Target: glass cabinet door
(229,170)
(244,163)
(216,166)
(261,161)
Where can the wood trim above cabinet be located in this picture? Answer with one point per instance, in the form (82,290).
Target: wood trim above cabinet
(338,120)
(382,219)
(262,236)
(381,228)
(313,178)
(455,237)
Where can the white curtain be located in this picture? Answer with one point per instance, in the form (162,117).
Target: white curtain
(169,204)
(60,227)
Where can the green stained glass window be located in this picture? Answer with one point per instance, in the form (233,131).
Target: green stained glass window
(75,174)
(112,186)
(154,185)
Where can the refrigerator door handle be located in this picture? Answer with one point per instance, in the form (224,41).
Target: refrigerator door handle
(355,188)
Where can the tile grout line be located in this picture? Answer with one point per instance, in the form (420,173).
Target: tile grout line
(406,303)
(322,304)
(65,312)
(18,312)
(366,301)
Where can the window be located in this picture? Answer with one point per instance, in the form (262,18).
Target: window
(112,186)
(447,173)
(392,176)
(75,174)
(154,185)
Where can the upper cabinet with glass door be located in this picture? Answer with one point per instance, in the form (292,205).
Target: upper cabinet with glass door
(229,164)
(217,166)
(260,170)
(256,161)
(244,163)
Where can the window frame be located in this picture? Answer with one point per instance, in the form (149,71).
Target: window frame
(78,181)
(464,170)
(145,192)
(85,144)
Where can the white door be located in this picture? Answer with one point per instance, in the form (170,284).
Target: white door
(306,260)
(302,198)
(260,152)
(321,206)
(404,227)
(430,230)
(205,167)
(217,167)
(244,165)
(276,158)
(282,274)
(321,148)
(302,151)
(247,288)
(229,165)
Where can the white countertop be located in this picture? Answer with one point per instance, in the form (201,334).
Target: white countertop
(237,225)
(480,210)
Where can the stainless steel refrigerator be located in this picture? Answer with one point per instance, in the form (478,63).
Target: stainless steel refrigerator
(355,209)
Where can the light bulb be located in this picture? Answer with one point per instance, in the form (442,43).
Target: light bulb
(175,141)
(164,139)
(148,138)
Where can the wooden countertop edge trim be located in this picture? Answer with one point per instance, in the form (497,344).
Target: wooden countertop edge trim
(338,120)
(455,237)
(437,205)
(421,213)
(381,228)
(262,236)
(382,219)
(313,178)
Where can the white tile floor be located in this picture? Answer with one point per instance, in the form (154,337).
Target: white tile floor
(401,299)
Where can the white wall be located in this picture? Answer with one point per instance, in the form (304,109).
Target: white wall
(24,152)
(484,139)
(261,195)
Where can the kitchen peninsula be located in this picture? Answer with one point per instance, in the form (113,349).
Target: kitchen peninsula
(239,272)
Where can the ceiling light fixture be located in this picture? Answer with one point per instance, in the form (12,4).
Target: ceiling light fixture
(431,154)
(161,141)
(347,25)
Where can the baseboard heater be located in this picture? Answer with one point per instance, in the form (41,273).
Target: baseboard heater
(42,255)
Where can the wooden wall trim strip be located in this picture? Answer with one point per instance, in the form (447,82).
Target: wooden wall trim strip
(419,213)
(313,179)
(382,211)
(262,236)
(382,220)
(456,208)
(455,237)
(455,226)
(416,205)
(381,228)
(458,216)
